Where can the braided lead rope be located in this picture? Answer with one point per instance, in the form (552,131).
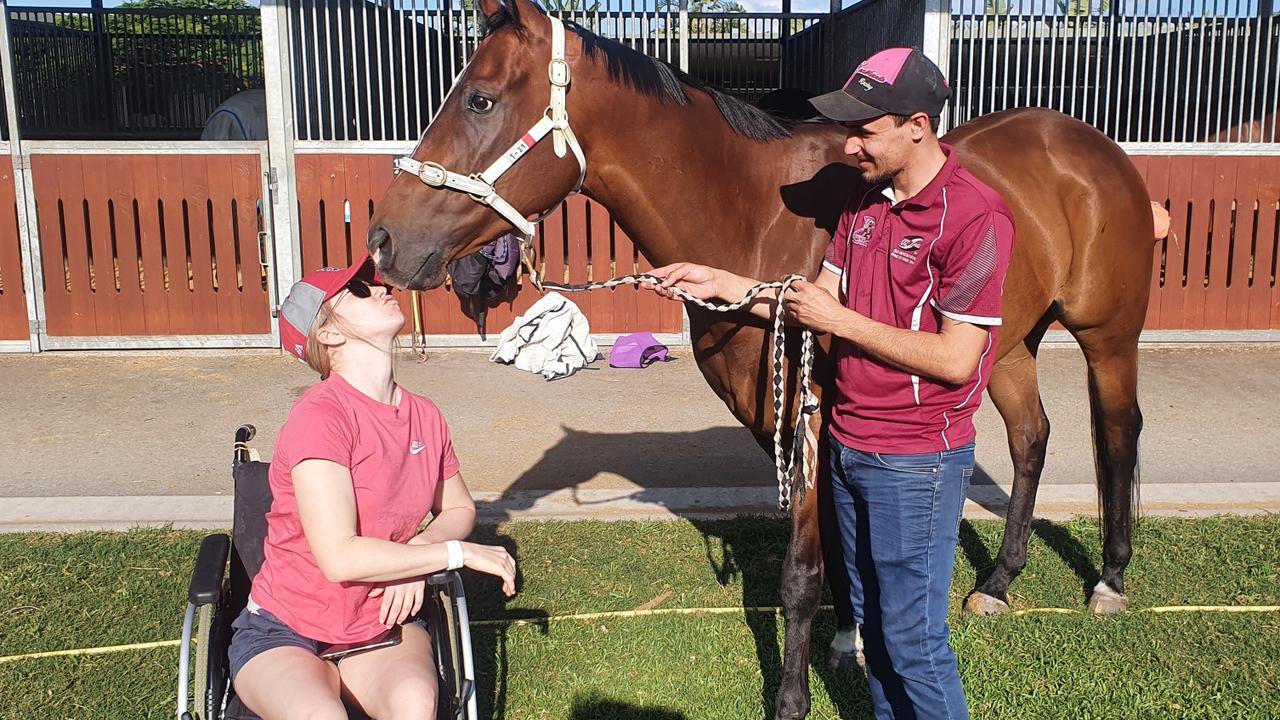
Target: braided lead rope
(790,465)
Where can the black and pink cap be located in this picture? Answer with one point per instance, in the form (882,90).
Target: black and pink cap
(897,81)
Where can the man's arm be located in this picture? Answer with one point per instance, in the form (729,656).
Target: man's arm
(710,283)
(713,284)
(951,355)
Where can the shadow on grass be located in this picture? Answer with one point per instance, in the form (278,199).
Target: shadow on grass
(596,708)
(489,642)
(984,491)
(752,550)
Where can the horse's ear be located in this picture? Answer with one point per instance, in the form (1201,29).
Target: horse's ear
(498,13)
(488,8)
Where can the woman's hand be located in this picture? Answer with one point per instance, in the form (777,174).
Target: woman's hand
(492,560)
(400,600)
(699,281)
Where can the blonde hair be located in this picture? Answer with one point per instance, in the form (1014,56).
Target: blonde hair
(318,357)
(317,352)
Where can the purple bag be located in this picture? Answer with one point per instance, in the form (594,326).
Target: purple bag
(637,350)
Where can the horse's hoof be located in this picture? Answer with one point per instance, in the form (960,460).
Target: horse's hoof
(797,710)
(980,603)
(1106,601)
(840,662)
(846,651)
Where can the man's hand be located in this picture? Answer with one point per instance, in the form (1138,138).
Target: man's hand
(699,281)
(400,600)
(813,307)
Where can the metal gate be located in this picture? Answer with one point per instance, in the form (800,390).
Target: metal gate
(177,243)
(125,244)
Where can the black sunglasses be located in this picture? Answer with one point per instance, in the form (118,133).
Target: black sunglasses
(364,288)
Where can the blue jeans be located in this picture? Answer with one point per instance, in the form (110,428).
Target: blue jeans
(899,518)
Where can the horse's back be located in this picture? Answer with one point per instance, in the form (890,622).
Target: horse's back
(1082,218)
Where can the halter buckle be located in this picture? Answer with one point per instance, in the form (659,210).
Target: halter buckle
(485,197)
(433,174)
(558,71)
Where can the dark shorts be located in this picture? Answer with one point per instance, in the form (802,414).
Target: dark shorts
(254,633)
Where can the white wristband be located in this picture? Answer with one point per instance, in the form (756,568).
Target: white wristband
(455,554)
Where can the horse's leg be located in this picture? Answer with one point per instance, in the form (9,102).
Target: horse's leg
(801,592)
(1015,391)
(846,646)
(1117,422)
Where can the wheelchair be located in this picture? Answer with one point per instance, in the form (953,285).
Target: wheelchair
(220,582)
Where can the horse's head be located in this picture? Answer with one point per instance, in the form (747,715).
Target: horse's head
(503,92)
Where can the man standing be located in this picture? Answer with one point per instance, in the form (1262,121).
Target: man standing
(910,288)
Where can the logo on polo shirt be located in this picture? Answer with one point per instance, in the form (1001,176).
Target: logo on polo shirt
(907,249)
(862,236)
(416,447)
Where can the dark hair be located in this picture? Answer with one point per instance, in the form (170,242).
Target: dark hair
(900,120)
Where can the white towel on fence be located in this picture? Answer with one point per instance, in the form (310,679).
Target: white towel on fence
(552,338)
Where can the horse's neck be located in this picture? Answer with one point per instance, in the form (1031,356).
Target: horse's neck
(679,181)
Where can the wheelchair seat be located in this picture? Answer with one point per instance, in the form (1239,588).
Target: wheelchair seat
(219,590)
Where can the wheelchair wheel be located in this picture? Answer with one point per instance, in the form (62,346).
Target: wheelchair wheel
(455,652)
(205,617)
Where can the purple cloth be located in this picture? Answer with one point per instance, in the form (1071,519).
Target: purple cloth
(637,350)
(504,254)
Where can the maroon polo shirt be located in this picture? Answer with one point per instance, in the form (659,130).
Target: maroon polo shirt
(907,264)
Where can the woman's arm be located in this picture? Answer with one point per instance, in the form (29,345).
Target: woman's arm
(327,508)
(455,514)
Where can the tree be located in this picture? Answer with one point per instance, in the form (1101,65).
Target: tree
(569,7)
(710,27)
(188,4)
(1081,8)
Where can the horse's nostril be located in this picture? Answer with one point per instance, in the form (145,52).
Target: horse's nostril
(379,240)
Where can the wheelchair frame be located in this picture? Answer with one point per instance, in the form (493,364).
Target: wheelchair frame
(214,599)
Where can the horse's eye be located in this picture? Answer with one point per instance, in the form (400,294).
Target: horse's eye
(478,103)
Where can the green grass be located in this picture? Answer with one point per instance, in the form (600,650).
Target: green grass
(84,590)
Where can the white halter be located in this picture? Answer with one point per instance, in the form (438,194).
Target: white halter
(480,186)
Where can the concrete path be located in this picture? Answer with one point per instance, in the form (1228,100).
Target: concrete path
(109,441)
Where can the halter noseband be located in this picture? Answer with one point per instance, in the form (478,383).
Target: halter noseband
(480,186)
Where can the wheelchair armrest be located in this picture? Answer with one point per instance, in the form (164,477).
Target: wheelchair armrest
(211,566)
(447,578)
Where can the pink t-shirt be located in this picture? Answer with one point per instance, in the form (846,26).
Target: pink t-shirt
(908,264)
(397,455)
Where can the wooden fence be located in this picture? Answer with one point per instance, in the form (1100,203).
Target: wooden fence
(1217,269)
(151,244)
(13,294)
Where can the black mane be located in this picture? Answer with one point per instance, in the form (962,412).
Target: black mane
(655,78)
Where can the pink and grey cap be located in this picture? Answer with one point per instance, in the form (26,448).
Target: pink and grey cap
(897,81)
(299,310)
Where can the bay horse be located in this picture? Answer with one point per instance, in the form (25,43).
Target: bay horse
(691,174)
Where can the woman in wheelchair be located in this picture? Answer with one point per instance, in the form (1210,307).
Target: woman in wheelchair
(357,467)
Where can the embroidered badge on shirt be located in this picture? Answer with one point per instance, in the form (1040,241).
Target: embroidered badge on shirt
(908,248)
(862,236)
